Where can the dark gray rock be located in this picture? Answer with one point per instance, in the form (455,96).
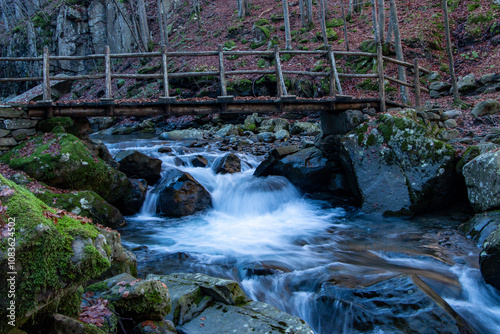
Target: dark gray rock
(396,167)
(228,164)
(266,137)
(340,123)
(179,194)
(132,203)
(481,226)
(488,107)
(199,161)
(440,86)
(139,166)
(155,327)
(266,167)
(467,84)
(489,259)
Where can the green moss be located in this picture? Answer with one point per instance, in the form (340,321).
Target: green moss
(372,140)
(286,57)
(361,137)
(261,63)
(229,45)
(241,301)
(266,32)
(333,23)
(44,250)
(386,131)
(261,22)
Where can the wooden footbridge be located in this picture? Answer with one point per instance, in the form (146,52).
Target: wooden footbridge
(167,105)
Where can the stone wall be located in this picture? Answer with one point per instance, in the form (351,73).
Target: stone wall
(15,126)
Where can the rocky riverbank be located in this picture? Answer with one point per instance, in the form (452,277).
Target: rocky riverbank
(65,195)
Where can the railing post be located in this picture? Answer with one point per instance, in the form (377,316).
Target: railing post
(280,81)
(417,82)
(47,95)
(222,72)
(380,67)
(107,67)
(331,60)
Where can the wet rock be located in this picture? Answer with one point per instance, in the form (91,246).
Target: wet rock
(133,200)
(282,135)
(473,152)
(266,137)
(339,123)
(182,134)
(482,176)
(137,165)
(488,107)
(140,299)
(489,259)
(396,167)
(155,327)
(228,164)
(481,226)
(165,150)
(266,167)
(308,169)
(199,161)
(391,306)
(121,259)
(179,194)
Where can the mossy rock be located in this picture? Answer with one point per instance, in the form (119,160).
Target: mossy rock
(142,300)
(229,45)
(261,22)
(53,255)
(333,23)
(47,125)
(64,161)
(84,203)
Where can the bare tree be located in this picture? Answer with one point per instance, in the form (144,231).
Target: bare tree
(162,21)
(309,12)
(345,27)
(321,14)
(143,22)
(375,25)
(381,20)
(399,50)
(456,97)
(286,17)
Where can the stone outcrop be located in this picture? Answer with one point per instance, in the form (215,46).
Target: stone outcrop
(394,166)
(482,179)
(15,126)
(137,165)
(179,194)
(468,85)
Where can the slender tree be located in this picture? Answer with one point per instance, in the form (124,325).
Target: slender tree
(302,13)
(143,22)
(321,14)
(286,17)
(456,97)
(374,19)
(399,50)
(381,20)
(345,27)
(309,12)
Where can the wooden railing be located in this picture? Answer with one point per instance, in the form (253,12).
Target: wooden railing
(334,75)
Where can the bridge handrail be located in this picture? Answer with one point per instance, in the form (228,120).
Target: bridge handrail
(221,53)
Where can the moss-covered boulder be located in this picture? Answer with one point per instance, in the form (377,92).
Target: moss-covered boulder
(140,299)
(55,252)
(395,166)
(64,161)
(83,203)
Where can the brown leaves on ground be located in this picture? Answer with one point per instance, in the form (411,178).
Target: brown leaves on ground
(96,313)
(61,213)
(149,323)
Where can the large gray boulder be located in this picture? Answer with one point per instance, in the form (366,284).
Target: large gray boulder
(179,194)
(482,177)
(467,84)
(183,134)
(137,165)
(488,107)
(489,260)
(394,166)
(228,164)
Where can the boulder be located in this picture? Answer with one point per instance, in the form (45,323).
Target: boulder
(440,86)
(488,107)
(155,327)
(339,123)
(266,167)
(467,84)
(305,128)
(482,176)
(227,130)
(179,194)
(252,122)
(400,307)
(140,299)
(62,324)
(489,78)
(266,137)
(182,134)
(59,251)
(394,166)
(489,259)
(63,161)
(479,227)
(83,203)
(228,164)
(308,169)
(121,259)
(282,135)
(137,165)
(199,161)
(134,198)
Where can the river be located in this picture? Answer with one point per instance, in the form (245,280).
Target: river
(336,268)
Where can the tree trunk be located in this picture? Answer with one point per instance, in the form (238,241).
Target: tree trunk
(286,17)
(302,13)
(143,22)
(309,13)
(381,20)
(375,25)
(248,7)
(399,51)
(456,97)
(389,30)
(241,8)
(321,14)
(345,27)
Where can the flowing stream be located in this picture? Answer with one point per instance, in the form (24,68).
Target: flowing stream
(339,270)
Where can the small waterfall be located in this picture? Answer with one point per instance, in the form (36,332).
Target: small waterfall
(149,205)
